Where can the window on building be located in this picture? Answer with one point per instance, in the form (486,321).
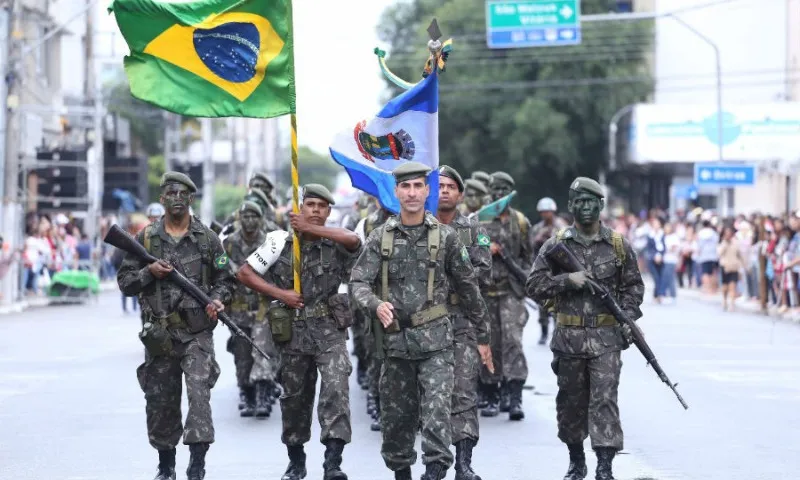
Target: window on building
(624,6)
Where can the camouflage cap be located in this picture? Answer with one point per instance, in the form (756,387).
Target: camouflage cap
(451,173)
(315,190)
(262,176)
(482,177)
(587,185)
(476,185)
(410,171)
(251,206)
(178,177)
(502,177)
(258,196)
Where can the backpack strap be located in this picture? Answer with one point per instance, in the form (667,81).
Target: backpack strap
(434,236)
(523,224)
(619,248)
(387,246)
(153,247)
(205,254)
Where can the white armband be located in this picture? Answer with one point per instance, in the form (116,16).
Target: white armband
(268,253)
(360,230)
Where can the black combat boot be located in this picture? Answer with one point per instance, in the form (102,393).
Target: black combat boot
(482,398)
(515,400)
(370,404)
(492,399)
(605,456)
(333,460)
(543,338)
(242,397)
(297,463)
(250,402)
(505,397)
(166,465)
(197,461)
(276,391)
(404,474)
(434,471)
(577,463)
(376,416)
(361,375)
(464,460)
(262,408)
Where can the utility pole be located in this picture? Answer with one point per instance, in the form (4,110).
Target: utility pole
(96,160)
(233,172)
(207,202)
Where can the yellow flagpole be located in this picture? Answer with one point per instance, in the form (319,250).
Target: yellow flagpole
(295,204)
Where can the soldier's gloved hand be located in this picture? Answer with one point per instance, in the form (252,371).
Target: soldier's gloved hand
(577,279)
(626,333)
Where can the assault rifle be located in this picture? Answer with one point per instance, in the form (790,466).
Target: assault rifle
(121,239)
(561,256)
(513,267)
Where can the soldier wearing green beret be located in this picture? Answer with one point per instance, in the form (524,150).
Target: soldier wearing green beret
(178,332)
(312,329)
(475,194)
(588,341)
(486,180)
(415,332)
(510,233)
(254,397)
(471,339)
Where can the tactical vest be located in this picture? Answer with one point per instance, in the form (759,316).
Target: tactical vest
(387,247)
(153,247)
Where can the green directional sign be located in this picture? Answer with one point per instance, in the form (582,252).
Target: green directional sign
(530,23)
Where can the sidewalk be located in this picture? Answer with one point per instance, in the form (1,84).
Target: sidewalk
(742,304)
(35,302)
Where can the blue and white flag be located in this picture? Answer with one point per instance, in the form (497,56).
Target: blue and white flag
(406,129)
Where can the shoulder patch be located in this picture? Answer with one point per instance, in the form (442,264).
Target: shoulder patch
(221,261)
(483,240)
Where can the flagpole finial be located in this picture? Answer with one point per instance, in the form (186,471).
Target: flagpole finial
(434,44)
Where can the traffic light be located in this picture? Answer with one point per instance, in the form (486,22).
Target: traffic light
(62,183)
(124,173)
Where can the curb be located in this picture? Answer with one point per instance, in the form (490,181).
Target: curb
(742,306)
(38,302)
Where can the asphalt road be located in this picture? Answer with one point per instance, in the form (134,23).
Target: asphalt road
(71,409)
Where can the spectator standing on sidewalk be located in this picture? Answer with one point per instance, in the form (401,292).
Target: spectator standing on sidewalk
(731,262)
(707,256)
(671,258)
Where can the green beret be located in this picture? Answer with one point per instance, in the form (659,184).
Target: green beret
(178,177)
(252,206)
(262,176)
(482,177)
(587,185)
(502,177)
(410,171)
(451,173)
(315,190)
(258,196)
(476,185)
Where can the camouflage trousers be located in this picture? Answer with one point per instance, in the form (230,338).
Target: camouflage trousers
(161,379)
(263,369)
(507,317)
(544,316)
(298,377)
(416,396)
(241,351)
(359,342)
(374,364)
(464,410)
(586,403)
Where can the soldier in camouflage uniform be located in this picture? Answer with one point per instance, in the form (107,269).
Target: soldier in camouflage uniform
(178,334)
(373,221)
(486,180)
(318,326)
(474,196)
(415,259)
(587,342)
(469,338)
(542,231)
(505,299)
(254,398)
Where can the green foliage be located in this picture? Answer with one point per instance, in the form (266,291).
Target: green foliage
(227,199)
(539,114)
(155,169)
(313,168)
(146,120)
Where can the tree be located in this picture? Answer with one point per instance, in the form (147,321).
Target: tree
(146,120)
(539,114)
(155,169)
(227,199)
(312,168)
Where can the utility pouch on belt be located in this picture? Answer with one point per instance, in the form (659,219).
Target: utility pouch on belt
(280,321)
(155,337)
(196,320)
(339,307)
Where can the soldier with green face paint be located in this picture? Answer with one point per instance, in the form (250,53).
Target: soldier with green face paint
(486,181)
(254,398)
(178,332)
(588,341)
(474,196)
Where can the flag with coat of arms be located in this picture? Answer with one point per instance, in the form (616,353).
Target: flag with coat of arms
(406,129)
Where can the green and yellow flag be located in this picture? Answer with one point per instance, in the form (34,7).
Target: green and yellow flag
(210,58)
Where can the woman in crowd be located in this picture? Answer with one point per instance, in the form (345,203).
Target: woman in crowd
(731,262)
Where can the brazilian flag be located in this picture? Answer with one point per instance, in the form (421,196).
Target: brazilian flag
(210,58)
